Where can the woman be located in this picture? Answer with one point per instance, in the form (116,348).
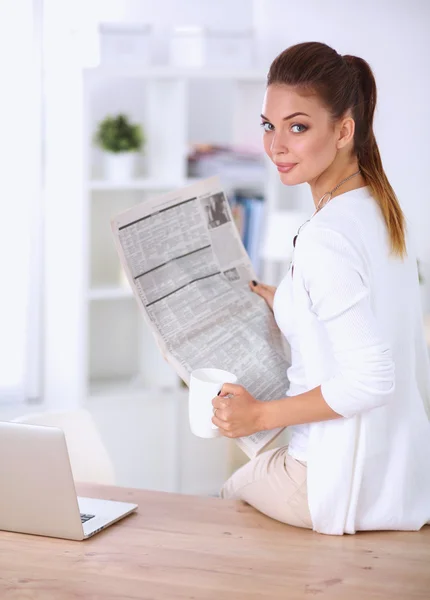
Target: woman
(358,405)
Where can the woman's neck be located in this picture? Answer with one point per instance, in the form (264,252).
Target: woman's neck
(330,178)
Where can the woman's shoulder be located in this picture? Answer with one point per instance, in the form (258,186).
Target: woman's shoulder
(350,220)
(326,243)
(348,210)
(341,232)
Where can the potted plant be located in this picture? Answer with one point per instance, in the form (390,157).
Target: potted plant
(121,140)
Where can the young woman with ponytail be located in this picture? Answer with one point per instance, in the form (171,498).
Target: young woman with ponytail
(358,405)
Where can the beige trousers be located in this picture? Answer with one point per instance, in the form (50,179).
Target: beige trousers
(275,484)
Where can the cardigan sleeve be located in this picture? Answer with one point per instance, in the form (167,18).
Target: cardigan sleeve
(334,277)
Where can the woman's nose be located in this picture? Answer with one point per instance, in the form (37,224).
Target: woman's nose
(278,145)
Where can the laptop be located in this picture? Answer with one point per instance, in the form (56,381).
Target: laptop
(37,491)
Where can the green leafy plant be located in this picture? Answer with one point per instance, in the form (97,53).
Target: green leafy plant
(117,134)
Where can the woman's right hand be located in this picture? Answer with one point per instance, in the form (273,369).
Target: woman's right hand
(267,292)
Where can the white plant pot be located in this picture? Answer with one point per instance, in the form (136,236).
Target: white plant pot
(120,166)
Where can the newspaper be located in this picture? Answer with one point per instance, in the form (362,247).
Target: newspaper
(189,272)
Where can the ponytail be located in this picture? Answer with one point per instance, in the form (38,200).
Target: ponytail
(369,158)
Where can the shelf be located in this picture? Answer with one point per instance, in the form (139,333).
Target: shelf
(131,388)
(122,359)
(152,184)
(110,293)
(166,72)
(138,184)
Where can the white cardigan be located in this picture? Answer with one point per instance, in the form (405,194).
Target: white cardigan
(359,323)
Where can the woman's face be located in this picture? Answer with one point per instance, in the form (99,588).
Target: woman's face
(299,136)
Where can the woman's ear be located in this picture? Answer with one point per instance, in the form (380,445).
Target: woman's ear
(346,132)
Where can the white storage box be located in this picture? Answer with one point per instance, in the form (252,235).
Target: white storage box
(125,44)
(200,47)
(234,49)
(187,47)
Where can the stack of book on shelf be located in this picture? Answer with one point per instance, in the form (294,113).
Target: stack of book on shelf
(233,164)
(248,213)
(243,173)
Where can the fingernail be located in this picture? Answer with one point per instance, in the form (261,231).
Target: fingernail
(254,283)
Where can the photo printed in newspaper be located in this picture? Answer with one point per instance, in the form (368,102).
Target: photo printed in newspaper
(189,272)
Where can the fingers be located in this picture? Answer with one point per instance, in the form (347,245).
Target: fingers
(220,403)
(222,412)
(254,286)
(224,427)
(231,388)
(261,289)
(268,289)
(217,421)
(257,285)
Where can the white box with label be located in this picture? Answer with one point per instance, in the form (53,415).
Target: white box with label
(125,44)
(202,47)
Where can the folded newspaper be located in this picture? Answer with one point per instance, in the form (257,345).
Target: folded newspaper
(189,273)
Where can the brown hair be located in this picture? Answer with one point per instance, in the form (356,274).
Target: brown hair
(342,83)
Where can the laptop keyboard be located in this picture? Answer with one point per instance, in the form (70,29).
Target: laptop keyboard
(85,518)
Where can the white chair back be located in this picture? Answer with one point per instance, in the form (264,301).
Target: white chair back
(88,456)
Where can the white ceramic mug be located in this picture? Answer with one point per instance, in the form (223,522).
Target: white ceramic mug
(204,386)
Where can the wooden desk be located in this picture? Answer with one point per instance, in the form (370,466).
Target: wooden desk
(195,547)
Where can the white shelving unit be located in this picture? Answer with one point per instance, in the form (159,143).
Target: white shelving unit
(167,117)
(96,342)
(95,336)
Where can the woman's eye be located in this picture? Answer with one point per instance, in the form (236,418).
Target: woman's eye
(304,128)
(267,126)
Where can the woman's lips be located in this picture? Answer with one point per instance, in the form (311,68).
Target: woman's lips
(285,167)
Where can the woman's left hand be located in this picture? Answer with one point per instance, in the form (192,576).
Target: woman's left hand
(239,414)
